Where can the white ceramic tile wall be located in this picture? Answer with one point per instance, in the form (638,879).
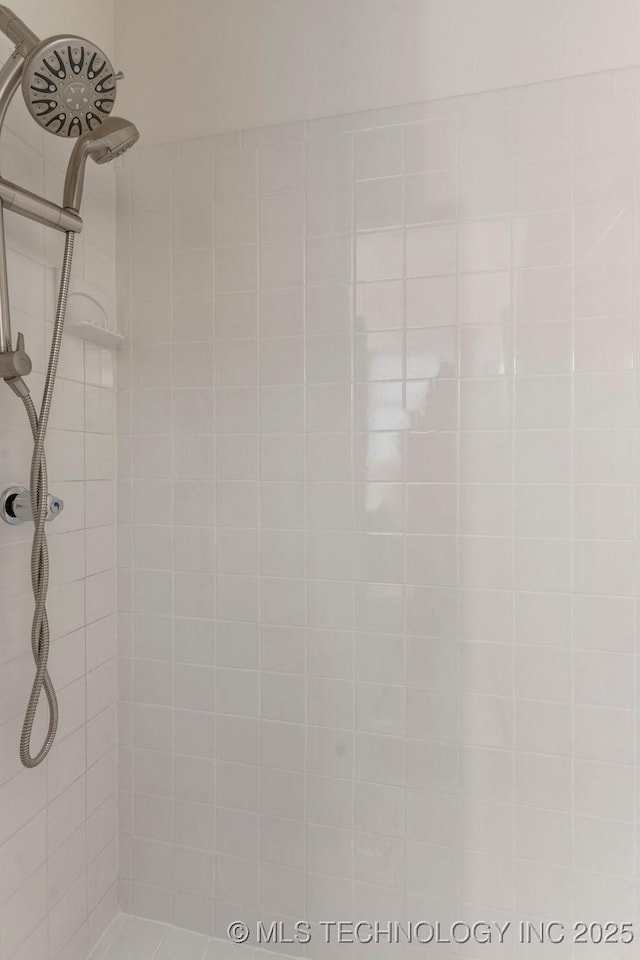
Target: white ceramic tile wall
(378,515)
(58,851)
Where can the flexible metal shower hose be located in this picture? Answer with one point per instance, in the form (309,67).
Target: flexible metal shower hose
(40,638)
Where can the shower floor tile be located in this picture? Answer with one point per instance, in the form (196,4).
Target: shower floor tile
(131,938)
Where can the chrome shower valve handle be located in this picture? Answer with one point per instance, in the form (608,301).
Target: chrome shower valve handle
(15,505)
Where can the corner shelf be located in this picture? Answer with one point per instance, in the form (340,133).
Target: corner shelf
(95,333)
(88,313)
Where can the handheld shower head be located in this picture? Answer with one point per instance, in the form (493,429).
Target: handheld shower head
(109,141)
(69,85)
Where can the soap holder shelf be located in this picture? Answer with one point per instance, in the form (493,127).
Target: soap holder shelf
(95,333)
(89,310)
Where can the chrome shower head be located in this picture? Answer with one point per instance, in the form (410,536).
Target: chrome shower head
(69,85)
(109,141)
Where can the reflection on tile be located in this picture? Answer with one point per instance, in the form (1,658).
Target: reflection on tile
(387,385)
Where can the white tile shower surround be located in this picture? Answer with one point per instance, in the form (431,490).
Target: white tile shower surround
(378,515)
(132,938)
(58,823)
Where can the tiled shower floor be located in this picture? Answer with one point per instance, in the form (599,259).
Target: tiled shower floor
(130,938)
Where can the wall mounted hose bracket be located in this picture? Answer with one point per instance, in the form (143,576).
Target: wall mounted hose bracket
(15,363)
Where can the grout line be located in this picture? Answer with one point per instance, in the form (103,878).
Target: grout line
(259,191)
(455,627)
(172,513)
(354,533)
(305,536)
(513,478)
(125,841)
(635,513)
(164,937)
(572,435)
(405,506)
(214,530)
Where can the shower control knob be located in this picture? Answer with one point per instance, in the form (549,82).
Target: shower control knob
(15,505)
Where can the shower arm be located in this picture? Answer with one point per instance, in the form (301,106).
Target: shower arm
(13,197)
(11,72)
(17,31)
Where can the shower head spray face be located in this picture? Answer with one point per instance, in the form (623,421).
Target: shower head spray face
(69,85)
(114,137)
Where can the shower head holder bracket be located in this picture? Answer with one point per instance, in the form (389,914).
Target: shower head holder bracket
(15,363)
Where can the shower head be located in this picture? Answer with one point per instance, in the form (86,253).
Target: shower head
(114,137)
(109,141)
(69,85)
